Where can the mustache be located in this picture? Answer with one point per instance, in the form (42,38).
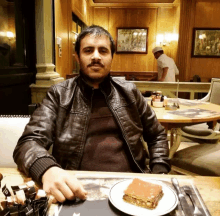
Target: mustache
(95,63)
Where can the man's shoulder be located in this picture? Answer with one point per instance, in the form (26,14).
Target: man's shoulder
(67,84)
(123,83)
(167,57)
(164,59)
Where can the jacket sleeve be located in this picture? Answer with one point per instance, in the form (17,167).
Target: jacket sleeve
(31,152)
(153,133)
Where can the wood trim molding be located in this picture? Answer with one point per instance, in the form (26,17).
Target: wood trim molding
(133,1)
(134,5)
(187,10)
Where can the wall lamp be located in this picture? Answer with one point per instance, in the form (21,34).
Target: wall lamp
(8,34)
(166,39)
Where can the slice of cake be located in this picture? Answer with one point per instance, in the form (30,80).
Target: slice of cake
(144,194)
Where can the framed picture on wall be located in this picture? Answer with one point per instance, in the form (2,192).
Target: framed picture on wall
(206,42)
(132,40)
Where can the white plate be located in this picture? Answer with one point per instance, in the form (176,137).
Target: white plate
(167,203)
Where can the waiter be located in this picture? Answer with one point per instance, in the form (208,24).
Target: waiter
(167,69)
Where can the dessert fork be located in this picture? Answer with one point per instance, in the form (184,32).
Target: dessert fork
(188,191)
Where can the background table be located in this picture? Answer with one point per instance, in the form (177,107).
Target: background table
(169,120)
(172,121)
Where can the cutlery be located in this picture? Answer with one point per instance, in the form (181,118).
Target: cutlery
(188,191)
(183,202)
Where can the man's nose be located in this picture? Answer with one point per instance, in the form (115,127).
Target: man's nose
(96,55)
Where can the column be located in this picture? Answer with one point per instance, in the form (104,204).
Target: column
(187,10)
(46,76)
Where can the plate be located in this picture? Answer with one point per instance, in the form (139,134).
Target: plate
(166,204)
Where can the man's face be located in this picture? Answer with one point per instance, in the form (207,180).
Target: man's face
(157,55)
(95,58)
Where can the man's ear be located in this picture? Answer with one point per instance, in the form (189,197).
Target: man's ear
(77,58)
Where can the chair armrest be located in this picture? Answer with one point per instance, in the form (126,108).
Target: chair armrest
(199,134)
(206,98)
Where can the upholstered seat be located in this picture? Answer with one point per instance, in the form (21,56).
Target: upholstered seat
(11,128)
(200,159)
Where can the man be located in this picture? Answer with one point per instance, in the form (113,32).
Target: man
(94,122)
(167,69)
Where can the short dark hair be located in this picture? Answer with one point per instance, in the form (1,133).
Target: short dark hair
(97,31)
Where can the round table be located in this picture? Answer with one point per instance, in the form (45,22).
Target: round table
(172,122)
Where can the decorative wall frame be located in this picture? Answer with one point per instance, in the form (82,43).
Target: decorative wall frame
(132,40)
(206,43)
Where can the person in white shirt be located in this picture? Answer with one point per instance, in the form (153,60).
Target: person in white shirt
(167,69)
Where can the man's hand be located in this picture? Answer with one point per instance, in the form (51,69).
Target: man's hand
(62,185)
(165,71)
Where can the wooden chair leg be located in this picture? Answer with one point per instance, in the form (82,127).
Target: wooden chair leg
(175,145)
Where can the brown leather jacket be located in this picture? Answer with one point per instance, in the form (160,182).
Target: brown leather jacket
(62,121)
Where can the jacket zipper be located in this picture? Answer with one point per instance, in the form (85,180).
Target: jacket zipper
(87,125)
(123,133)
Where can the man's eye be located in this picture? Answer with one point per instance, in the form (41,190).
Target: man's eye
(88,50)
(104,50)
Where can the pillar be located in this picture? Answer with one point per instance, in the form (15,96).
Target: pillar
(46,76)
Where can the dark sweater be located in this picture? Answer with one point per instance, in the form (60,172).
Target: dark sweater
(105,148)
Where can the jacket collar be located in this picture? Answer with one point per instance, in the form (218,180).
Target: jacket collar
(87,90)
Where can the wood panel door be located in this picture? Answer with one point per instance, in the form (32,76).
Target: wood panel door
(17,55)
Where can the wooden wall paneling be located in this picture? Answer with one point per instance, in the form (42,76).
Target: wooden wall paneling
(187,9)
(117,18)
(165,20)
(113,17)
(145,18)
(165,25)
(207,15)
(132,18)
(80,8)
(152,31)
(77,9)
(206,68)
(101,17)
(62,31)
(174,44)
(135,17)
(70,39)
(168,23)
(90,13)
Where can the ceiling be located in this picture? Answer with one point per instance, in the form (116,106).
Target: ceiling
(133,1)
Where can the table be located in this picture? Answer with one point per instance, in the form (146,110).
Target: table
(209,187)
(171,121)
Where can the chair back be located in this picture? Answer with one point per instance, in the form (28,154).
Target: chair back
(11,129)
(215,91)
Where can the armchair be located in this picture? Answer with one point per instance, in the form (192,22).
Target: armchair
(204,157)
(11,128)
(214,92)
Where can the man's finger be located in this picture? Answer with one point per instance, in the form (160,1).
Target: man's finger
(81,192)
(66,191)
(77,188)
(58,195)
(52,199)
